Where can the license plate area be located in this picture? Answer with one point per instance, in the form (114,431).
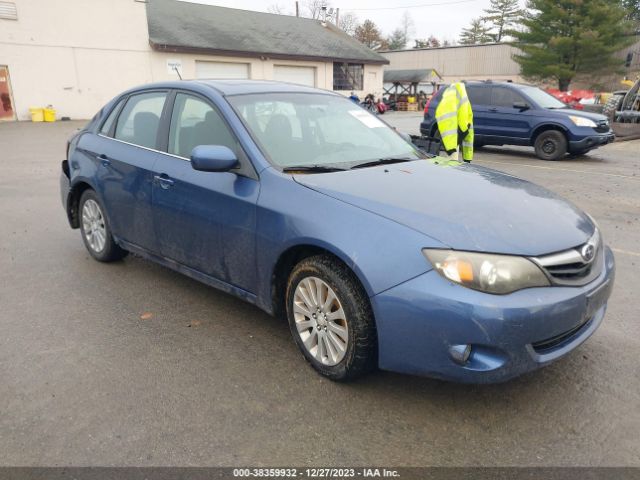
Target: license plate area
(597,298)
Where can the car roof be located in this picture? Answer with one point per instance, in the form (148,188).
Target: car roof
(235,87)
(499,83)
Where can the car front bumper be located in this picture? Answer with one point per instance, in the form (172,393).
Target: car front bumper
(420,321)
(592,141)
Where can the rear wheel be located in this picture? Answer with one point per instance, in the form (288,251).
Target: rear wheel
(331,319)
(550,145)
(95,229)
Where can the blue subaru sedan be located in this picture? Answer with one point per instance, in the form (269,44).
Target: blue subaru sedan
(304,204)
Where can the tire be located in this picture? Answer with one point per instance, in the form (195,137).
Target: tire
(613,104)
(579,153)
(352,326)
(550,145)
(95,229)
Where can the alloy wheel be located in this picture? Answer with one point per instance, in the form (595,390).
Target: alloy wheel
(93,225)
(320,321)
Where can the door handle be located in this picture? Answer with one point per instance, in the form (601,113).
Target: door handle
(104,160)
(164,181)
(493,110)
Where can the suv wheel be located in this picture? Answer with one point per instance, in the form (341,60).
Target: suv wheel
(96,233)
(550,145)
(331,319)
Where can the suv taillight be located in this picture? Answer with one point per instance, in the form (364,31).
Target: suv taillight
(426,106)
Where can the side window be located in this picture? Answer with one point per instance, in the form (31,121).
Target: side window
(479,95)
(140,119)
(195,122)
(108,123)
(504,97)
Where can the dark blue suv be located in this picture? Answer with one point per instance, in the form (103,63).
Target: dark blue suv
(508,113)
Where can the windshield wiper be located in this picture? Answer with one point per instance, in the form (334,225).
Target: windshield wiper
(312,169)
(382,161)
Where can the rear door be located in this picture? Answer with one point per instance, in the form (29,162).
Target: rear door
(124,153)
(204,220)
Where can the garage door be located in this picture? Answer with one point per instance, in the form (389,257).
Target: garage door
(221,70)
(300,75)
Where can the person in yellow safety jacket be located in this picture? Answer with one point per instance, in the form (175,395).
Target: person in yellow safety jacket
(455,121)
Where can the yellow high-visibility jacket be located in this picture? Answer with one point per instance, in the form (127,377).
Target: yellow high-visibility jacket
(455,120)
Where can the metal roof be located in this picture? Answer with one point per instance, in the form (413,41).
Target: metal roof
(192,27)
(410,76)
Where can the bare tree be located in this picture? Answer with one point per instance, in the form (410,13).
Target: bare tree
(348,22)
(277,9)
(407,25)
(313,8)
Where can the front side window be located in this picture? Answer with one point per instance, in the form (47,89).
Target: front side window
(296,129)
(195,122)
(505,97)
(348,76)
(140,119)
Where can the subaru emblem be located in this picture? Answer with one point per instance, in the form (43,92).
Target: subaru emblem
(588,252)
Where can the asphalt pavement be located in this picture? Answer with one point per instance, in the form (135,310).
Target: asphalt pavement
(131,364)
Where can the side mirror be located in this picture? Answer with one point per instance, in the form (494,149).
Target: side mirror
(521,106)
(213,158)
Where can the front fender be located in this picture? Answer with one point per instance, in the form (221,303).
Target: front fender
(381,252)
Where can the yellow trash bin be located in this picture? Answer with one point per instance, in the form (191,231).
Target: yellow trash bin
(49,114)
(37,114)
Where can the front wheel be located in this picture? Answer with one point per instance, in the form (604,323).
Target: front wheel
(550,145)
(96,232)
(331,319)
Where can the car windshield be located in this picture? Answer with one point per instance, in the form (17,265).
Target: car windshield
(305,129)
(542,98)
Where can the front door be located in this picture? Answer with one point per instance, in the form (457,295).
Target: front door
(204,220)
(504,120)
(7,111)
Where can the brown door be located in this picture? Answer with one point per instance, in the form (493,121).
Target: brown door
(6,100)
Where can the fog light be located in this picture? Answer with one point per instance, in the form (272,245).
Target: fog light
(460,353)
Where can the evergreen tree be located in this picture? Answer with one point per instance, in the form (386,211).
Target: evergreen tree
(562,38)
(477,32)
(501,17)
(397,40)
(632,7)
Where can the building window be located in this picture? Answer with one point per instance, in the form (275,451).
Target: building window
(348,76)
(8,11)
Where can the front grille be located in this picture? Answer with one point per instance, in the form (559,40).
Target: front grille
(576,266)
(549,343)
(602,126)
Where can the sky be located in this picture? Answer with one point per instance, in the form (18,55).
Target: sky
(442,18)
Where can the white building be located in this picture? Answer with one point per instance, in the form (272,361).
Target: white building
(78,54)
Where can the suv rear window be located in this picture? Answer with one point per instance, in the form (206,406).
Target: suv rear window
(479,95)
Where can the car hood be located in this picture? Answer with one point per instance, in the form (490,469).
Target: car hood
(596,117)
(466,207)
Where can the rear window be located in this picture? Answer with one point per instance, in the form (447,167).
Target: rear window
(108,123)
(140,119)
(479,95)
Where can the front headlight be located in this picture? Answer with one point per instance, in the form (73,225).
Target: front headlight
(498,274)
(582,121)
